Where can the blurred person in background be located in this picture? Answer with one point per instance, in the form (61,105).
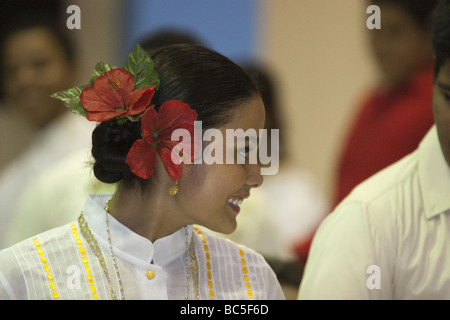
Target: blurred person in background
(37,59)
(395,115)
(10,118)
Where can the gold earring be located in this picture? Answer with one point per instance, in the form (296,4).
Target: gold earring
(174,189)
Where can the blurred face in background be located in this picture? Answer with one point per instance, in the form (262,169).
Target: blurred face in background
(400,46)
(35,66)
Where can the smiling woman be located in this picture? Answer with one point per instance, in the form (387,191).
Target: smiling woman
(140,243)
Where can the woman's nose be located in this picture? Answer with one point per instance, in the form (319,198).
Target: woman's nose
(254,178)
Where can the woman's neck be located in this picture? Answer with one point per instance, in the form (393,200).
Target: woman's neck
(147,214)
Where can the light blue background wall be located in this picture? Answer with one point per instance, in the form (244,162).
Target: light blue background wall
(227,26)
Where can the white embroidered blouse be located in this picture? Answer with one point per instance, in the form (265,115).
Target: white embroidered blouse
(60,264)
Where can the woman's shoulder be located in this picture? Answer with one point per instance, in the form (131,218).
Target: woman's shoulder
(46,237)
(34,248)
(25,263)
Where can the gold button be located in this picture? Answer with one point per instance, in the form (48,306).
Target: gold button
(150,274)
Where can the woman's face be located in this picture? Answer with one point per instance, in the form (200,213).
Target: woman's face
(207,191)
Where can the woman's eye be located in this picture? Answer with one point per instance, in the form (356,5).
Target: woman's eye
(245,151)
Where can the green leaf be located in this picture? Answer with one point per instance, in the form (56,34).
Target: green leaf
(71,99)
(121,120)
(142,68)
(135,118)
(100,68)
(124,119)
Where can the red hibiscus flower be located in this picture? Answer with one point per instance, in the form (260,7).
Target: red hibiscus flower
(113,95)
(157,129)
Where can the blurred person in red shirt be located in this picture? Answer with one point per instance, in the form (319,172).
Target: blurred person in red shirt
(395,115)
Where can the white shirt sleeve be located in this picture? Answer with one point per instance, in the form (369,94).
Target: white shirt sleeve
(347,259)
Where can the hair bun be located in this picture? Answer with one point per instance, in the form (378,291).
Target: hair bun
(110,145)
(106,176)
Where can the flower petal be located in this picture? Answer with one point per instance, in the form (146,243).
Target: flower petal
(148,124)
(140,99)
(102,115)
(191,145)
(185,140)
(142,159)
(166,135)
(92,102)
(175,171)
(114,87)
(173,114)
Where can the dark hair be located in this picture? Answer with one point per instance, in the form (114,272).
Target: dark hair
(168,36)
(419,10)
(440,34)
(208,82)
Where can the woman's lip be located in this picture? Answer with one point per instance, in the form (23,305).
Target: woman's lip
(235,202)
(235,208)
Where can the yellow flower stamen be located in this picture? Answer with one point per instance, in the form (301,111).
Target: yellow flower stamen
(114,84)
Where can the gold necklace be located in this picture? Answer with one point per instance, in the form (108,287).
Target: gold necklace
(111,251)
(87,234)
(194,270)
(190,256)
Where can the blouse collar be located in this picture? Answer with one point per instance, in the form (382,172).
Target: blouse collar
(129,245)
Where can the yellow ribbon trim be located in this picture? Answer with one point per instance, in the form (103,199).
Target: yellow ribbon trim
(84,258)
(41,254)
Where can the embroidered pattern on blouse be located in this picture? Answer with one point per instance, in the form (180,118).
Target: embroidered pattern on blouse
(208,263)
(84,258)
(245,273)
(41,254)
